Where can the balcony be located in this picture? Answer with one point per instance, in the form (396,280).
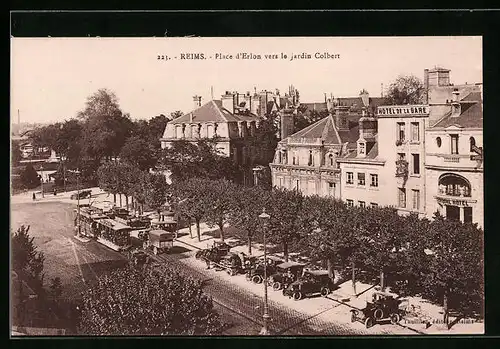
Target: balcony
(451,158)
(453,185)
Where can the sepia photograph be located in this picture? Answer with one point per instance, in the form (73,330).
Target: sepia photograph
(246,186)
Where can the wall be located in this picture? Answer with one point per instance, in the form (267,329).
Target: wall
(366,192)
(388,150)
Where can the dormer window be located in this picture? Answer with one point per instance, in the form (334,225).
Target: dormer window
(362,148)
(331,160)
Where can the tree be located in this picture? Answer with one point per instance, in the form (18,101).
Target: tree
(107,179)
(219,193)
(137,152)
(55,288)
(16,155)
(29,177)
(68,143)
(156,301)
(193,202)
(456,266)
(284,207)
(156,128)
(247,204)
(26,259)
(406,90)
(157,188)
(105,128)
(176,114)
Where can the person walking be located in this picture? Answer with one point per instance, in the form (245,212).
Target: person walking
(34,197)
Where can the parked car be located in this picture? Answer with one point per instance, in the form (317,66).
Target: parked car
(310,283)
(214,253)
(385,306)
(83,195)
(231,263)
(256,272)
(285,274)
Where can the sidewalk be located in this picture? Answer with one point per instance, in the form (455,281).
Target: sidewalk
(337,307)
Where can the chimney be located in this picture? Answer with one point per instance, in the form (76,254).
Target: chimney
(197,101)
(228,101)
(365,98)
(456,108)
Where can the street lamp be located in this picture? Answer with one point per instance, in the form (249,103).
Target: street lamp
(264,218)
(77,172)
(41,178)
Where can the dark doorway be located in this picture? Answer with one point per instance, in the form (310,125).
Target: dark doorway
(467,214)
(453,212)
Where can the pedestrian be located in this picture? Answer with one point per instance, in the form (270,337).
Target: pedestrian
(34,196)
(55,191)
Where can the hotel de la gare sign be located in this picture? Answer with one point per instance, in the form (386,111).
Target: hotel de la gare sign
(401,110)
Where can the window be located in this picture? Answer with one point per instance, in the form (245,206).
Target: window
(402,197)
(293,159)
(280,158)
(297,185)
(330,158)
(415,131)
(438,142)
(350,178)
(416,199)
(361,179)
(362,204)
(350,202)
(281,182)
(472,143)
(361,148)
(373,204)
(310,162)
(401,132)
(416,163)
(454,144)
(374,180)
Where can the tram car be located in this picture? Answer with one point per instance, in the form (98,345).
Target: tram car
(113,234)
(89,216)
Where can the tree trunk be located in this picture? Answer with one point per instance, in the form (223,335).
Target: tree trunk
(445,306)
(142,209)
(353,267)
(221,229)
(249,243)
(198,233)
(190,230)
(114,198)
(285,250)
(120,199)
(382,281)
(126,201)
(329,264)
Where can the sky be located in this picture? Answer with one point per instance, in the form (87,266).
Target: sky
(51,78)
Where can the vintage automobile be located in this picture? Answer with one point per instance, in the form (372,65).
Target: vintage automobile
(137,257)
(82,195)
(310,283)
(232,263)
(285,274)
(256,271)
(384,306)
(214,253)
(159,241)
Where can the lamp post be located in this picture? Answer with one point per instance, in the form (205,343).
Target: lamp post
(77,172)
(41,179)
(264,218)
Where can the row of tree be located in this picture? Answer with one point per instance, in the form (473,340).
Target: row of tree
(439,259)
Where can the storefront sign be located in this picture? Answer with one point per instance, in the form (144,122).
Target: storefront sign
(453,202)
(403,110)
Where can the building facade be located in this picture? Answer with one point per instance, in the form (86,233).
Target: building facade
(421,159)
(454,161)
(308,159)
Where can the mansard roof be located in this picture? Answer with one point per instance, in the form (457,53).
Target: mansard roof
(212,111)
